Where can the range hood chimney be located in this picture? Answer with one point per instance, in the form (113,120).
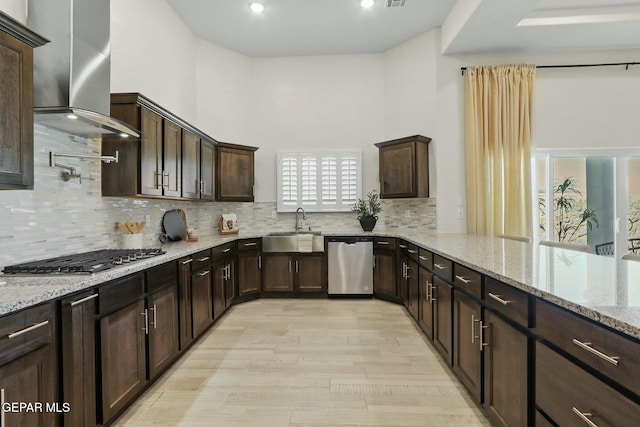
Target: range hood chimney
(72,73)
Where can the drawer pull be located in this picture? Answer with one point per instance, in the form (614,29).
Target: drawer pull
(403,246)
(203,259)
(423,258)
(584,416)
(500,300)
(463,279)
(187,261)
(614,360)
(383,243)
(440,267)
(250,244)
(203,273)
(411,251)
(85,299)
(28,329)
(226,250)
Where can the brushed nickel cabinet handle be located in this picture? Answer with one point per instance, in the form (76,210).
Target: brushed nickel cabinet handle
(297,267)
(473,329)
(83,300)
(463,279)
(28,329)
(187,261)
(614,360)
(203,259)
(260,262)
(145,313)
(439,267)
(159,179)
(203,273)
(226,250)
(403,246)
(411,251)
(423,258)
(500,300)
(383,243)
(584,416)
(481,335)
(155,316)
(250,244)
(289,265)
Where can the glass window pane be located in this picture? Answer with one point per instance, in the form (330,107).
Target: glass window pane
(633,173)
(541,170)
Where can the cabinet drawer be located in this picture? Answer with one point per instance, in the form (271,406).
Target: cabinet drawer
(443,268)
(120,292)
(162,276)
(250,245)
(614,355)
(425,258)
(507,300)
(468,280)
(223,250)
(200,260)
(25,331)
(567,393)
(384,242)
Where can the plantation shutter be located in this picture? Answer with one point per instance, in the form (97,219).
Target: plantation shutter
(328,181)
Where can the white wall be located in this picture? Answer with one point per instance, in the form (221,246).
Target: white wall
(315,103)
(17,9)
(154,53)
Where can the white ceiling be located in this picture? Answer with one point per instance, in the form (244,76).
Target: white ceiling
(321,27)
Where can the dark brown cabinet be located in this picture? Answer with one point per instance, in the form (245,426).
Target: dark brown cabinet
(78,338)
(506,361)
(185,295)
(468,343)
(201,298)
(384,268)
(234,172)
(249,268)
(197,167)
(442,317)
(277,274)
(426,301)
(16,103)
(172,159)
(404,167)
(570,396)
(409,278)
(123,326)
(298,274)
(162,308)
(224,282)
(28,365)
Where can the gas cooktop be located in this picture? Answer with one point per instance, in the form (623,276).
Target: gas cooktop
(84,263)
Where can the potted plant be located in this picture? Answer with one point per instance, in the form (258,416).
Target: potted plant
(367,210)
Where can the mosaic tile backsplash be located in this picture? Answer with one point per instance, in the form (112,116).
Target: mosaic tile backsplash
(58,217)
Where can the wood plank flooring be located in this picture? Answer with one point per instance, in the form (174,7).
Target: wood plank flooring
(297,362)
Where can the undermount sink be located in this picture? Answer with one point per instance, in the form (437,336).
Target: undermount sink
(288,241)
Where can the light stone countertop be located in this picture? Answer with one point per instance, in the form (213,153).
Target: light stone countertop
(597,287)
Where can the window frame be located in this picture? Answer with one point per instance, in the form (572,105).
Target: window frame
(320,205)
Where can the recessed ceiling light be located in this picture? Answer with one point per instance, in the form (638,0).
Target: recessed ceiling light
(257,7)
(366,3)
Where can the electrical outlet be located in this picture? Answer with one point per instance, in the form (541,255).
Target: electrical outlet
(147,219)
(274,214)
(460,213)
(407,213)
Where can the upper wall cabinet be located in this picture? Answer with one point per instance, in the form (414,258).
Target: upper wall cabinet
(172,159)
(16,103)
(234,172)
(404,167)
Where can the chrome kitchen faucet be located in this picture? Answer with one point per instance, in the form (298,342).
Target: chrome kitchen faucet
(298,222)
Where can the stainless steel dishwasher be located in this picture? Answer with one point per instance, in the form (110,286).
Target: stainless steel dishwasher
(350,265)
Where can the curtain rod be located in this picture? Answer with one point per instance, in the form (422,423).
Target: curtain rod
(626,64)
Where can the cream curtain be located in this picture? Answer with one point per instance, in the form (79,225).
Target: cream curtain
(499,102)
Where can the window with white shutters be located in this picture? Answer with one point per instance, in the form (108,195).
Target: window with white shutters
(328,181)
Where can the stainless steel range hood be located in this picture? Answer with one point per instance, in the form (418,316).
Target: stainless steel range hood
(72,73)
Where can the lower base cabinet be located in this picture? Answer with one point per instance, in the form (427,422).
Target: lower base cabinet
(468,343)
(426,302)
(570,396)
(296,274)
(123,357)
(442,317)
(506,361)
(163,329)
(78,317)
(28,366)
(201,301)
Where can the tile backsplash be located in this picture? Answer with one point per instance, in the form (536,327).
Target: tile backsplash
(58,217)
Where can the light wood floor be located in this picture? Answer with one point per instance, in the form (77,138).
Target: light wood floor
(279,362)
